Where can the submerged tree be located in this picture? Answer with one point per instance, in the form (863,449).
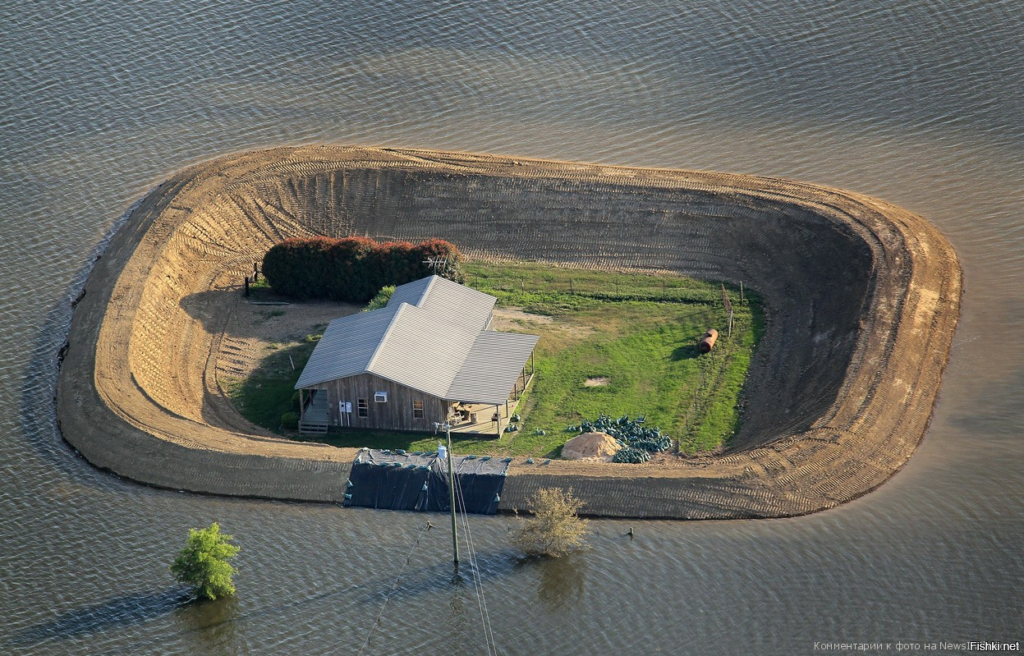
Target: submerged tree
(555,529)
(203,563)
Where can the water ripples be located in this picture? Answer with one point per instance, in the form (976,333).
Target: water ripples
(918,103)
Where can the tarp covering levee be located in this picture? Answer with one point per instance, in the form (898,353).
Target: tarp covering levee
(406,481)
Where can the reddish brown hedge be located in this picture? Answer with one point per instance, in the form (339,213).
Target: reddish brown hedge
(353,269)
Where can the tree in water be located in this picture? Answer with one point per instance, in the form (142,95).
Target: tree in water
(203,563)
(555,529)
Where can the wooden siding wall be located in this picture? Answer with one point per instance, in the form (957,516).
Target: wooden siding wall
(395,414)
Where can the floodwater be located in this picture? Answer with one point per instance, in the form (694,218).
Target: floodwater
(920,103)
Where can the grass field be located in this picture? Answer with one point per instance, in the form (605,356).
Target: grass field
(615,343)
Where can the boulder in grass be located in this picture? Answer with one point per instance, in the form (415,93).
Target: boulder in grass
(591,445)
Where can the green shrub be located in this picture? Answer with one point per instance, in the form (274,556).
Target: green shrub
(397,264)
(353,269)
(203,563)
(297,267)
(381,299)
(350,270)
(290,420)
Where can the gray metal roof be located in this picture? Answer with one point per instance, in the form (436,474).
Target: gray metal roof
(411,292)
(424,338)
(492,367)
(346,347)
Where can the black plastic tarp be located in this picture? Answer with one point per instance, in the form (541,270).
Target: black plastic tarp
(407,481)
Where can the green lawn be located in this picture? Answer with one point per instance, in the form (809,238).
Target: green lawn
(269,392)
(634,334)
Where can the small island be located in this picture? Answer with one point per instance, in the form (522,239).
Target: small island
(859,301)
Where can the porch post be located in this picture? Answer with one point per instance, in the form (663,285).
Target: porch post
(302,406)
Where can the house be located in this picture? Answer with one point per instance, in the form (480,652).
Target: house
(430,356)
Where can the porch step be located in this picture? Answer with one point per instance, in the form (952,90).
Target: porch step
(312,427)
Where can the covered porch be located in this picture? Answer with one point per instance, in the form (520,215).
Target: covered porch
(490,418)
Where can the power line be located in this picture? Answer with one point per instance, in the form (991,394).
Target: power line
(478,584)
(394,586)
(476,572)
(474,564)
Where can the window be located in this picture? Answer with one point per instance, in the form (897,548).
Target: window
(380,397)
(363,407)
(417,409)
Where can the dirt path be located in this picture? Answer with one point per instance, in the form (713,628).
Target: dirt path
(863,299)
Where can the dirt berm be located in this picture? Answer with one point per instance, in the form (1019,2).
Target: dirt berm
(862,301)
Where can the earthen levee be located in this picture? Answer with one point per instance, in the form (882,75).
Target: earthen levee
(863,299)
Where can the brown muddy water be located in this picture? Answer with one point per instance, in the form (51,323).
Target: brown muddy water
(917,103)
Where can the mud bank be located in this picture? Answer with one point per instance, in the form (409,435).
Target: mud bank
(863,299)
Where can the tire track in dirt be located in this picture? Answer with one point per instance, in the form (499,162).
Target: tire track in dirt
(862,297)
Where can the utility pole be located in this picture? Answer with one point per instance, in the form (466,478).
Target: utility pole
(451,494)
